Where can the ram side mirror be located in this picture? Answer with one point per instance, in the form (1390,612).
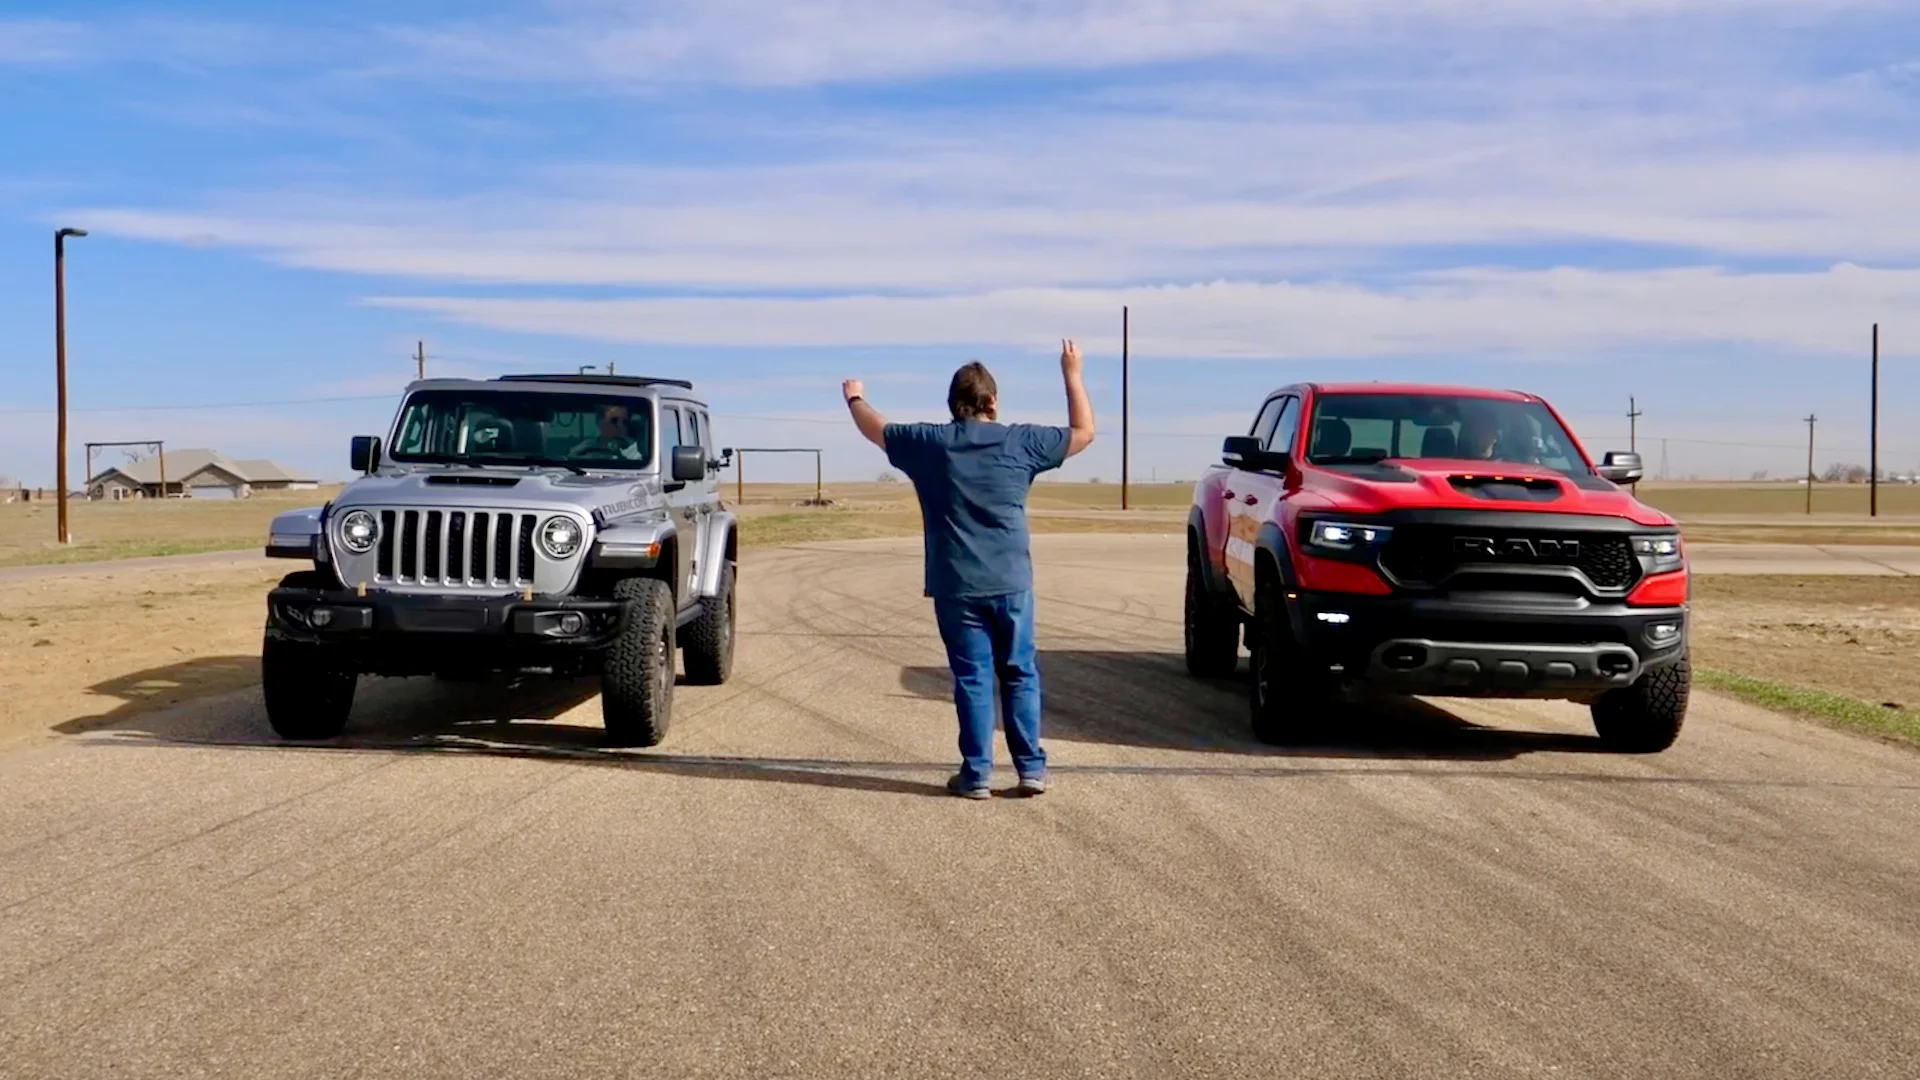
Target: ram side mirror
(365,453)
(689,464)
(1245,452)
(1621,467)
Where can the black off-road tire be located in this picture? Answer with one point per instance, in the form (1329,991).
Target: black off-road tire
(636,682)
(708,640)
(308,692)
(1645,718)
(1287,699)
(1212,629)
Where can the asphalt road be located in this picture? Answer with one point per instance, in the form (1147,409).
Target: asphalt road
(781,889)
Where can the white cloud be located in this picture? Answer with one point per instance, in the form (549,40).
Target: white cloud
(39,41)
(1534,314)
(765,43)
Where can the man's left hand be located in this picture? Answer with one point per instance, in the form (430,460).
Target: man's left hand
(852,389)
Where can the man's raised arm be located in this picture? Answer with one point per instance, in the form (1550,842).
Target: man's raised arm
(865,416)
(1079,409)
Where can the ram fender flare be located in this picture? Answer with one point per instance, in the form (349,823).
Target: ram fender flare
(1273,544)
(1212,575)
(723,546)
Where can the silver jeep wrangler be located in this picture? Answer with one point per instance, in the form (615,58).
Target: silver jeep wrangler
(564,524)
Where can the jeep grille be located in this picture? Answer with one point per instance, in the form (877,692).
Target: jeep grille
(1429,555)
(456,548)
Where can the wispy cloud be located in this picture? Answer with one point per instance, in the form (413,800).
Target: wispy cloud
(1534,315)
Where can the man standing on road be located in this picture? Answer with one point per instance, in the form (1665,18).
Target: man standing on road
(972,478)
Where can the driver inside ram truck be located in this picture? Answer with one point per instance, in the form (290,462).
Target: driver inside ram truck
(509,428)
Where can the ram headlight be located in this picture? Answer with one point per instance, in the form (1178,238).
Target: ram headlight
(359,531)
(560,537)
(1345,536)
(1663,551)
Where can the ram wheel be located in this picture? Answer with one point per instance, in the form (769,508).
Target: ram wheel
(708,641)
(308,693)
(1288,699)
(1212,629)
(636,683)
(1645,718)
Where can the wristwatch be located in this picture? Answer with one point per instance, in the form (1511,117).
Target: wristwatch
(856,397)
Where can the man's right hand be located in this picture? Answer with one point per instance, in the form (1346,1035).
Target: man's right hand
(852,389)
(1069,359)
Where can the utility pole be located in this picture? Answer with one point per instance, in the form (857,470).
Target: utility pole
(1810,420)
(420,359)
(60,366)
(1873,426)
(1125,406)
(1663,459)
(1633,432)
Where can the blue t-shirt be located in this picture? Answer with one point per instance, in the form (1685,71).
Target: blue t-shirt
(972,478)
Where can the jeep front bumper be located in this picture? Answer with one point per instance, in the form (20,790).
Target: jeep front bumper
(1492,645)
(401,633)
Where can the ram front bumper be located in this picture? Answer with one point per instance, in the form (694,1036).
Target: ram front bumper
(1498,645)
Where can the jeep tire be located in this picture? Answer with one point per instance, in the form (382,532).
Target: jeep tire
(709,639)
(1645,718)
(1212,629)
(636,681)
(308,693)
(1287,697)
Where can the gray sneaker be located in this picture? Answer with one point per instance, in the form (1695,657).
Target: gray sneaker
(956,785)
(1029,786)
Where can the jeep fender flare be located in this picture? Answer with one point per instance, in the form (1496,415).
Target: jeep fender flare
(629,545)
(722,547)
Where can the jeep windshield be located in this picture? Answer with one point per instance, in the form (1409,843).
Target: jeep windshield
(503,427)
(1354,429)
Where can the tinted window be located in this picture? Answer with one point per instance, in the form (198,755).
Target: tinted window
(1287,427)
(1373,427)
(517,427)
(1263,424)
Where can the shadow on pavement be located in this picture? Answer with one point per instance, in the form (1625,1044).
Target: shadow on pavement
(1148,699)
(182,705)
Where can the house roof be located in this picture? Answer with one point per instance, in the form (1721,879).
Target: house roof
(182,464)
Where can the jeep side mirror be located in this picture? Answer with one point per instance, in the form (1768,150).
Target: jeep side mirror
(1245,452)
(365,453)
(1621,467)
(689,464)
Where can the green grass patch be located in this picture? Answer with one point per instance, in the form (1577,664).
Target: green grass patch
(1815,704)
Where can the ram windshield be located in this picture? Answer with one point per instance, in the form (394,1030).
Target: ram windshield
(1360,428)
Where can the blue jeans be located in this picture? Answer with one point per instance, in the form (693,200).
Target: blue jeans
(989,640)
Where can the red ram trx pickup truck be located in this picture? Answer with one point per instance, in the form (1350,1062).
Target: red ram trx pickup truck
(1435,541)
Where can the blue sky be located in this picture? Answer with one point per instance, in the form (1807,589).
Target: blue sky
(1700,203)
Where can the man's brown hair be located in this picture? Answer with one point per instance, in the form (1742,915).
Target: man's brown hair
(971,394)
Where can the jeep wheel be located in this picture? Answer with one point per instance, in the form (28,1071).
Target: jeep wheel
(1288,699)
(709,638)
(636,685)
(1645,718)
(1212,631)
(308,695)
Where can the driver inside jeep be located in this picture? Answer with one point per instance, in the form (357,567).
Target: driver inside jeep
(613,436)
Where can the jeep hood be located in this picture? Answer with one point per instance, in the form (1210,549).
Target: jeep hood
(1433,483)
(482,489)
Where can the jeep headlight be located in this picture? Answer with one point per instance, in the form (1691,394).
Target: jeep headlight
(1663,551)
(560,537)
(359,531)
(1344,536)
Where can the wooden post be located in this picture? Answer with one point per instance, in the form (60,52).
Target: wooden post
(1810,419)
(1873,426)
(1125,408)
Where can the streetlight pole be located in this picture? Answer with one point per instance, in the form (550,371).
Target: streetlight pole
(60,367)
